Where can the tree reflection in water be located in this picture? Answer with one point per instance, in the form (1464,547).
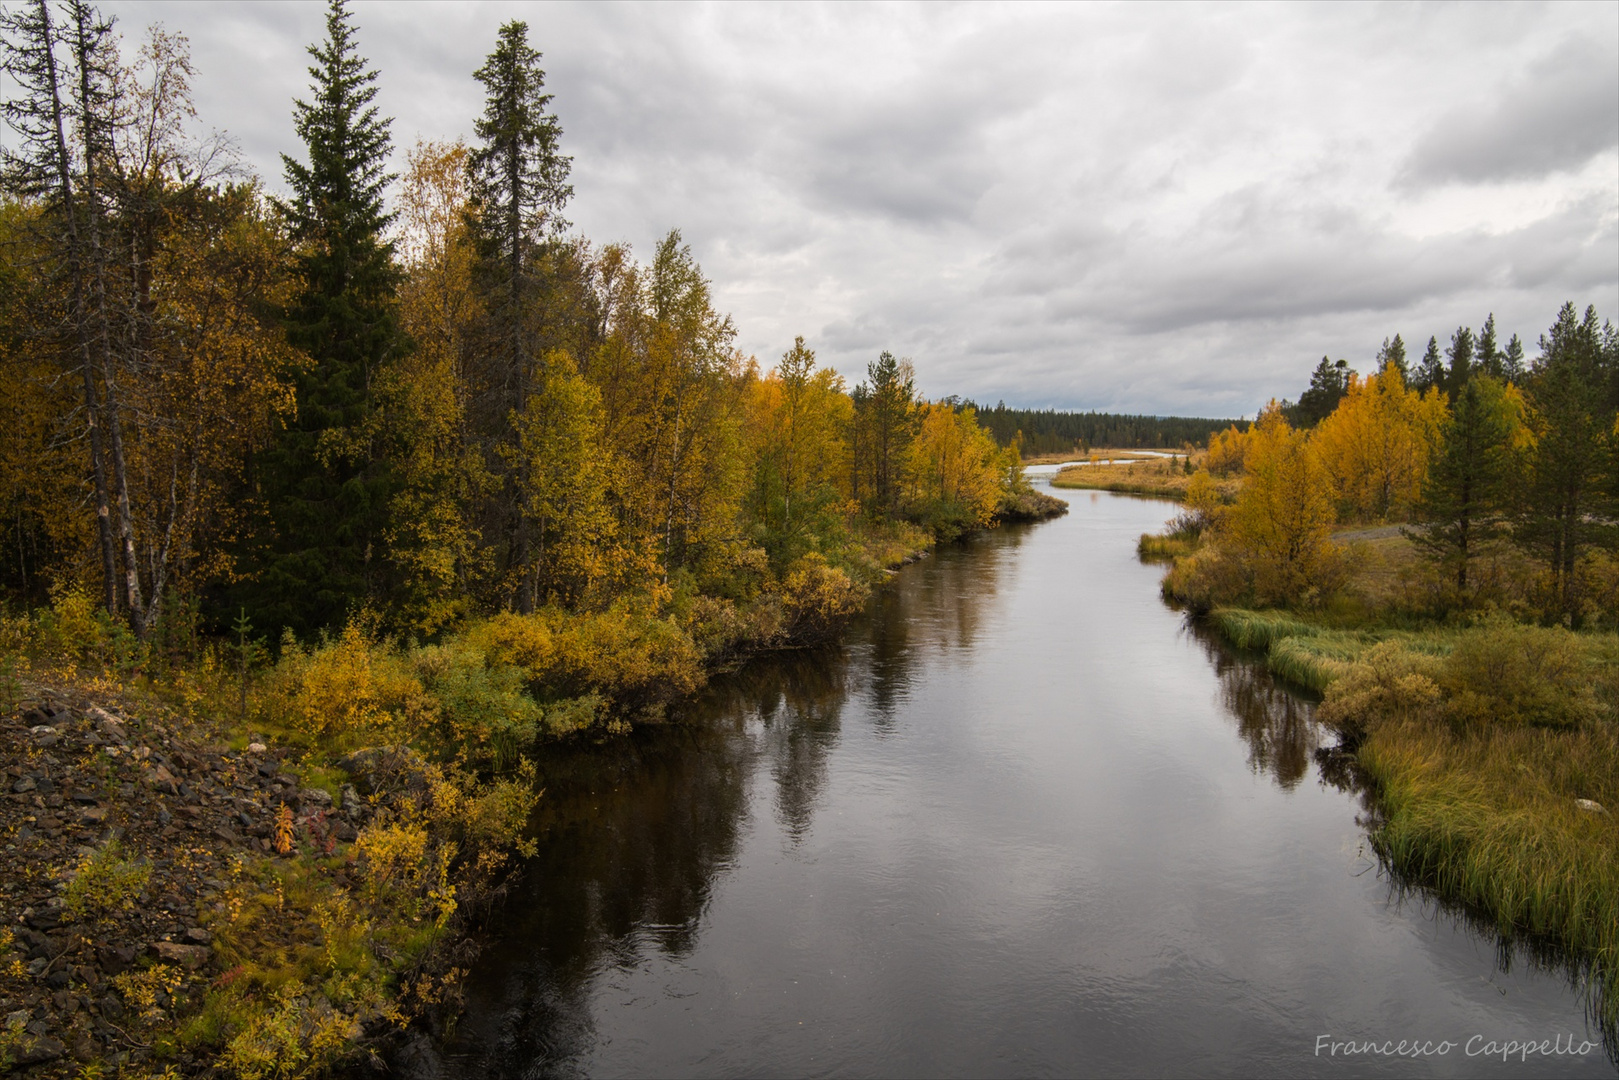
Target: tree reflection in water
(1278,725)
(1284,739)
(635,832)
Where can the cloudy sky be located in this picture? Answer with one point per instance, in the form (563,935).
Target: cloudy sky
(1163,209)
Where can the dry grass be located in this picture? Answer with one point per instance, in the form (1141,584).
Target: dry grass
(1137,476)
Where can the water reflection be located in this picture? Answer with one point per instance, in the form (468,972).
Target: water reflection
(1277,724)
(1284,740)
(704,889)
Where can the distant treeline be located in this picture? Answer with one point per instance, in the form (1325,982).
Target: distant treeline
(1049,431)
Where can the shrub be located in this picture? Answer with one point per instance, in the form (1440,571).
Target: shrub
(476,708)
(1387,681)
(630,657)
(817,598)
(350,688)
(104,883)
(1513,674)
(1206,579)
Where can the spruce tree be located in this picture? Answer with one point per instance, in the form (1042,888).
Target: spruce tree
(518,177)
(1487,352)
(322,484)
(519,181)
(1393,352)
(1430,372)
(1460,353)
(1512,369)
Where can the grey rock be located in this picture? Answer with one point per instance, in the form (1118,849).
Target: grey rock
(191,956)
(38,1050)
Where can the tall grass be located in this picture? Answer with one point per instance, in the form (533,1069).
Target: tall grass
(1258,630)
(1493,822)
(1493,754)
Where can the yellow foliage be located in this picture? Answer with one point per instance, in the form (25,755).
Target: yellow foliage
(627,653)
(816,598)
(148,990)
(1279,526)
(956,467)
(297,1038)
(1227,450)
(283,829)
(433,541)
(104,883)
(351,686)
(797,423)
(1203,497)
(1375,446)
(564,472)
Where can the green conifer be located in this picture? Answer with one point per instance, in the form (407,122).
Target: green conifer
(322,484)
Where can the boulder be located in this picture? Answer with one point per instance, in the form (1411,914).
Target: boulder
(190,956)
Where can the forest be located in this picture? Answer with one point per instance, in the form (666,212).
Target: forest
(1054,431)
(324,513)
(415,409)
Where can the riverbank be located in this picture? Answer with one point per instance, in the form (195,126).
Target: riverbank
(272,869)
(178,898)
(1492,754)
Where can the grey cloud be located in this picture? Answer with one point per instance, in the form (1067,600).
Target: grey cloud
(1152,209)
(1557,115)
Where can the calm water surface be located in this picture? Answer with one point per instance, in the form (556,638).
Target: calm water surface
(1025,822)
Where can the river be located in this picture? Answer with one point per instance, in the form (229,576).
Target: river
(1025,822)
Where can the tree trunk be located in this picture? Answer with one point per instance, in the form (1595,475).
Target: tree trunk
(81,328)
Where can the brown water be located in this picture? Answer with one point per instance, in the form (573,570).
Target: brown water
(1026,822)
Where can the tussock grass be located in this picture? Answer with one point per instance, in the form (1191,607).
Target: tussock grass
(1479,742)
(1153,547)
(1258,630)
(1492,821)
(1314,656)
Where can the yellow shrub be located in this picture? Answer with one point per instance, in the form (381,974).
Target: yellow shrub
(627,654)
(1387,682)
(354,685)
(105,883)
(296,1039)
(817,598)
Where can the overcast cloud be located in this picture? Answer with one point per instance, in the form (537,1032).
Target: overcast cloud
(1166,209)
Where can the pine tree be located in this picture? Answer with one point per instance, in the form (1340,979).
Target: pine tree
(1567,504)
(1468,478)
(887,419)
(1328,384)
(1430,372)
(324,489)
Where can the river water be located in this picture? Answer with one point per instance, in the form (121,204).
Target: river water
(1024,822)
